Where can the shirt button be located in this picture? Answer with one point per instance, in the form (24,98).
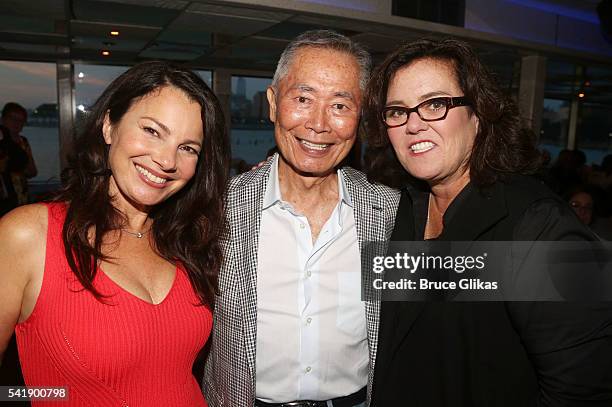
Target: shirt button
(302,226)
(308,369)
(308,320)
(308,273)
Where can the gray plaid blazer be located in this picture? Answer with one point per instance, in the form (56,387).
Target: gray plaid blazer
(229,378)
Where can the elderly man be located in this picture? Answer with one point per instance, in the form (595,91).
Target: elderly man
(291,328)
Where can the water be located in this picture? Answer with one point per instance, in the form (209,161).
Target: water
(252,145)
(45,148)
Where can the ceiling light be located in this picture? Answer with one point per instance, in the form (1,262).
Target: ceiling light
(581,95)
(105,53)
(81,75)
(114,33)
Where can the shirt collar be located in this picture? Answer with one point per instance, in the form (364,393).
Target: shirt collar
(273,194)
(344,193)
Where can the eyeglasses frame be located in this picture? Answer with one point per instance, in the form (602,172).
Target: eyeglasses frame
(450,103)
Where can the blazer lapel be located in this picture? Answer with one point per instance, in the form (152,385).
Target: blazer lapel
(474,213)
(245,238)
(368,209)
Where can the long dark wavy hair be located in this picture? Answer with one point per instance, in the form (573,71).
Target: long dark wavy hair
(502,145)
(187,226)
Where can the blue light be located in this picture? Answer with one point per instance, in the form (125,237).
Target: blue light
(587,16)
(349,4)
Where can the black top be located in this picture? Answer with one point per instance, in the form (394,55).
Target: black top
(494,353)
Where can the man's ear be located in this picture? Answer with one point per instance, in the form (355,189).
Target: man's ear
(270,93)
(107,129)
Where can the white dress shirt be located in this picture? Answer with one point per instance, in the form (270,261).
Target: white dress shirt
(311,325)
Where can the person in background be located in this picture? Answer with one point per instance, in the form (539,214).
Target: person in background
(110,287)
(13,118)
(582,204)
(291,328)
(589,204)
(13,160)
(568,171)
(600,186)
(601,176)
(435,116)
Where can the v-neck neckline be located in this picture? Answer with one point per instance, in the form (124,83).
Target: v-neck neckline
(130,294)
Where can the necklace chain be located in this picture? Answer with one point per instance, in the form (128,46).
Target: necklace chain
(138,235)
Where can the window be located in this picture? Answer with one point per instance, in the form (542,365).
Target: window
(91,80)
(594,132)
(207,76)
(594,129)
(89,83)
(33,85)
(252,132)
(554,129)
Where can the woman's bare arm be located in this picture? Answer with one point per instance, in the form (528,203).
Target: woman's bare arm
(22,257)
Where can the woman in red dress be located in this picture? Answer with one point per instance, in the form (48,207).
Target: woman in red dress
(110,287)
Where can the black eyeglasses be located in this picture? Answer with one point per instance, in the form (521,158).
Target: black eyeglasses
(429,110)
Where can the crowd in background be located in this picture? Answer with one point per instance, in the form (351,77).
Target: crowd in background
(587,188)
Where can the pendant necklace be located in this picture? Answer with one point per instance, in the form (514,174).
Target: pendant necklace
(137,235)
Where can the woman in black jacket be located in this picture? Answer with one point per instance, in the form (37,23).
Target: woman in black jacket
(455,145)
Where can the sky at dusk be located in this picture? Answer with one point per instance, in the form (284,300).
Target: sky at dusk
(34,83)
(27,83)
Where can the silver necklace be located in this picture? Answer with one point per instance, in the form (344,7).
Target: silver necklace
(138,235)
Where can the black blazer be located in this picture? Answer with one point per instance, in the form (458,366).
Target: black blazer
(515,354)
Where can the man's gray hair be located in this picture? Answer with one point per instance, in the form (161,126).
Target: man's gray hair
(326,39)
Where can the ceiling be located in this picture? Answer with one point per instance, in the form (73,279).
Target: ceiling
(212,34)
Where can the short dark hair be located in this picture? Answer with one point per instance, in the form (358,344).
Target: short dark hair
(188,225)
(502,144)
(14,107)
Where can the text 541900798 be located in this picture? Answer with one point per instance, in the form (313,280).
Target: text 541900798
(40,393)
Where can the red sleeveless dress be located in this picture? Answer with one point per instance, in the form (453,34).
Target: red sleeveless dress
(125,352)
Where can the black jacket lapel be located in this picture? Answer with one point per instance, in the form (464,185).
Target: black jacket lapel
(477,211)
(474,212)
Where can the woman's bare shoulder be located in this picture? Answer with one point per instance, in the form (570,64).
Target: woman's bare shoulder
(24,228)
